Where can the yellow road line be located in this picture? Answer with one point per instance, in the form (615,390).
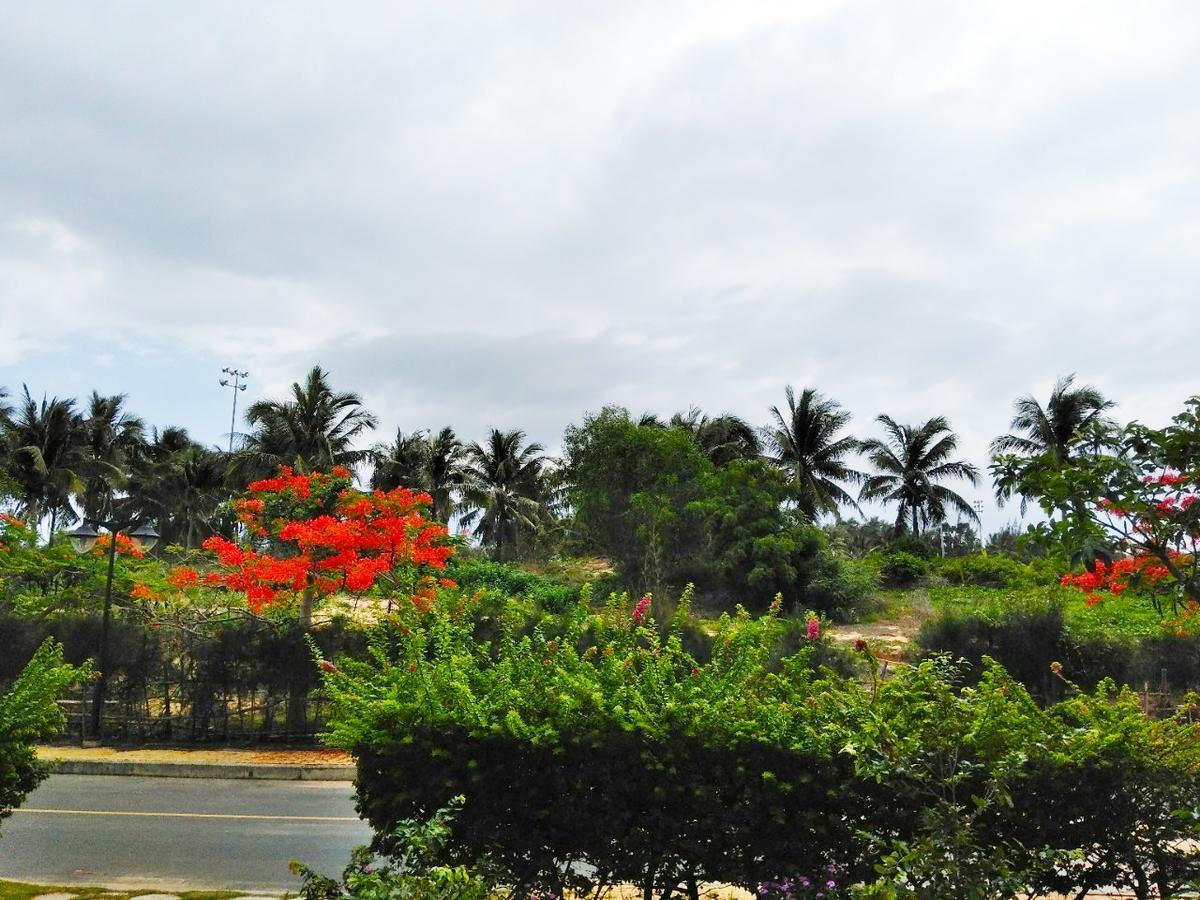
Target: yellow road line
(183,815)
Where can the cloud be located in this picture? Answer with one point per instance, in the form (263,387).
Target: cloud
(508,213)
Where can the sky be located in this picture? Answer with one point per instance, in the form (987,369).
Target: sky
(507,214)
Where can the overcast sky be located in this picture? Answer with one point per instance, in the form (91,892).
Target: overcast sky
(506,214)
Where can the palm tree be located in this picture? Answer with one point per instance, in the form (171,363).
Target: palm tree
(445,472)
(44,461)
(911,462)
(183,485)
(6,487)
(111,441)
(722,438)
(1049,432)
(401,463)
(432,464)
(803,441)
(503,494)
(315,429)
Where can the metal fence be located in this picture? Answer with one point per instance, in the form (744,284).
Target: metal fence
(171,713)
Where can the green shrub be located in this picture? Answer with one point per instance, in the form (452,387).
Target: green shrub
(28,713)
(899,568)
(623,758)
(406,865)
(512,581)
(919,547)
(1025,636)
(1028,630)
(844,589)
(986,570)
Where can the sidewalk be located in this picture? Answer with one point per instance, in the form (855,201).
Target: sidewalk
(291,765)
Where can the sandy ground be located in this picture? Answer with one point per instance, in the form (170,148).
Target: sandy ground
(266,756)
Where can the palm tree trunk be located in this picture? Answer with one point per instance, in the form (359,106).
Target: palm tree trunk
(914,518)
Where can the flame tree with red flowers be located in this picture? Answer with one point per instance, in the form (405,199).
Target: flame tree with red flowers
(308,536)
(1141,488)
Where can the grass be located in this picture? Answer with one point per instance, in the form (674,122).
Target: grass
(15,890)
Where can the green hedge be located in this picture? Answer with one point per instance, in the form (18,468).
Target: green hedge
(606,748)
(1027,633)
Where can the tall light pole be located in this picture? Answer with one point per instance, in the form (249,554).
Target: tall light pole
(237,385)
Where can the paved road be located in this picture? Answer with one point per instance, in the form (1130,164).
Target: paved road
(177,833)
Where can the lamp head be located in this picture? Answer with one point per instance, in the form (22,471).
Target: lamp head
(145,535)
(83,537)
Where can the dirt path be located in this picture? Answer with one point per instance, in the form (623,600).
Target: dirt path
(889,637)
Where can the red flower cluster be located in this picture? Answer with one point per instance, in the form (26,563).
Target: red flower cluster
(346,544)
(1167,479)
(126,546)
(183,578)
(143,592)
(1115,579)
(641,611)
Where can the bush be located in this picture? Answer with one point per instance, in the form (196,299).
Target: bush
(407,867)
(28,712)
(1025,637)
(986,570)
(632,761)
(844,589)
(919,547)
(512,581)
(899,568)
(1027,632)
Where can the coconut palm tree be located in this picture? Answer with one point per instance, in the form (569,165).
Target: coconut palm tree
(111,442)
(804,440)
(1049,432)
(429,463)
(445,472)
(722,438)
(183,485)
(315,429)
(42,448)
(911,462)
(503,494)
(402,463)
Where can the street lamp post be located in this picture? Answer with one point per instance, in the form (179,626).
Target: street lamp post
(236,385)
(83,539)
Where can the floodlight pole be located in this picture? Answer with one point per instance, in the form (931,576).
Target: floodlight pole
(236,385)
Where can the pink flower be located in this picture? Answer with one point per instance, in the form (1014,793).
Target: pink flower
(327,666)
(814,629)
(641,610)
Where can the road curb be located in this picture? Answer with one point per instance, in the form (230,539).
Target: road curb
(201,770)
